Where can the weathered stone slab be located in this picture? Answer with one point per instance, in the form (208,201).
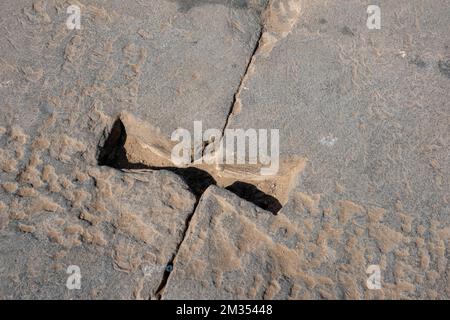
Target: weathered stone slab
(368,109)
(229,253)
(235,250)
(59,90)
(169,62)
(120,229)
(133,143)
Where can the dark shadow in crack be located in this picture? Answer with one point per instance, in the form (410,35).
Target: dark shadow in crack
(197,180)
(110,150)
(112,153)
(252,194)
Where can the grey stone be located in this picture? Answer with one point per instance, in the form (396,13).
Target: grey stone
(235,250)
(354,107)
(375,131)
(229,252)
(121,229)
(61,92)
(364,111)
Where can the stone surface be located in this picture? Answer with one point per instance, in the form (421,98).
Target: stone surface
(120,229)
(235,250)
(60,92)
(231,251)
(133,143)
(368,109)
(166,62)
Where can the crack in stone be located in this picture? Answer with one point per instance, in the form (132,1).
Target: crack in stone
(162,286)
(112,152)
(278,19)
(236,104)
(134,145)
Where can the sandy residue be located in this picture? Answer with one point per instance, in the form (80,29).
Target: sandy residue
(145,143)
(54,196)
(326,259)
(279,19)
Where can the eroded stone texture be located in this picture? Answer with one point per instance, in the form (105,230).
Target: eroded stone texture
(234,250)
(228,252)
(133,143)
(359,105)
(59,90)
(164,64)
(121,229)
(369,110)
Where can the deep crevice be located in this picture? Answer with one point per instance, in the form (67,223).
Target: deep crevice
(252,194)
(113,154)
(241,83)
(162,286)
